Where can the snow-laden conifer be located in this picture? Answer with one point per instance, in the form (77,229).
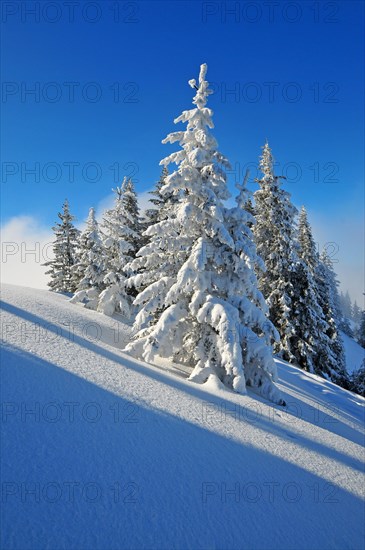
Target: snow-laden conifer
(121,240)
(326,281)
(198,302)
(275,237)
(90,268)
(312,345)
(65,250)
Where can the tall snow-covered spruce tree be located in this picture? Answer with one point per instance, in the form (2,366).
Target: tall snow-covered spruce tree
(65,250)
(198,301)
(327,283)
(274,233)
(90,268)
(308,315)
(316,340)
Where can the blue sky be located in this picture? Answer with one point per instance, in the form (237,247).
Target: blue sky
(111,77)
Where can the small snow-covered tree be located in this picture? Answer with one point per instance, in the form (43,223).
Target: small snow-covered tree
(199,304)
(121,240)
(65,250)
(90,268)
(274,233)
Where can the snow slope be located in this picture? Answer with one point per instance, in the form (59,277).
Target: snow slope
(354,353)
(119,454)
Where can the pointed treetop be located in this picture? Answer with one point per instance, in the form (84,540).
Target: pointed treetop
(91,216)
(120,190)
(244,194)
(303,217)
(124,185)
(203,91)
(128,186)
(267,167)
(65,216)
(267,161)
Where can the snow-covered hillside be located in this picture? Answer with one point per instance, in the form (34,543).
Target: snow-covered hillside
(101,451)
(354,353)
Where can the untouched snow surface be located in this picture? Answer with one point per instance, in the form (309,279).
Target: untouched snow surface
(101,451)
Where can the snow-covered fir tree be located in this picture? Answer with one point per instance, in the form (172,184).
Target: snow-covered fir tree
(327,283)
(121,237)
(308,319)
(90,268)
(313,344)
(274,236)
(333,285)
(65,250)
(199,303)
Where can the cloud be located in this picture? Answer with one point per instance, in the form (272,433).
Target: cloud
(25,246)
